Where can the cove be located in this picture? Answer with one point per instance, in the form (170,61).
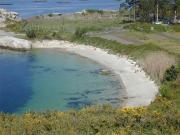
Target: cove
(49,79)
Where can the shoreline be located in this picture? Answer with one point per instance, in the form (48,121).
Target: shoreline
(140,89)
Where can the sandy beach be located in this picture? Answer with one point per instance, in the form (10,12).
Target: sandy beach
(141,90)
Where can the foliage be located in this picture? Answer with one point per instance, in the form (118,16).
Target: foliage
(165,92)
(94,11)
(170,74)
(80,32)
(30,33)
(103,120)
(146,9)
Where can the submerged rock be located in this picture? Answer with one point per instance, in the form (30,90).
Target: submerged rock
(105,72)
(15,43)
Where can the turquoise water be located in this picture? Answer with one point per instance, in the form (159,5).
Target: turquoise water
(28,8)
(54,80)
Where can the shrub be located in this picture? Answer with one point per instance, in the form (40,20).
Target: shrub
(30,33)
(94,11)
(80,32)
(165,92)
(170,74)
(50,15)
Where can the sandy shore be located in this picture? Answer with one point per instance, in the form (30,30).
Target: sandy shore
(140,89)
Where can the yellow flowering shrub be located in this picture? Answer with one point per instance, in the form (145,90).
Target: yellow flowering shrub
(134,111)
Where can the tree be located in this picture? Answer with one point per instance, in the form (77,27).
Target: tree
(176,8)
(146,10)
(153,10)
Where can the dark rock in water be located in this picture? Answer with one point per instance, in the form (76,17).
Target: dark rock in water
(74,98)
(101,71)
(98,91)
(112,99)
(78,104)
(83,95)
(37,67)
(47,69)
(114,102)
(70,69)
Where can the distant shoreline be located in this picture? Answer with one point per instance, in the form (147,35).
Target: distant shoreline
(33,8)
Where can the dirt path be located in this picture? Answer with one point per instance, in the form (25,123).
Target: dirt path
(170,36)
(127,37)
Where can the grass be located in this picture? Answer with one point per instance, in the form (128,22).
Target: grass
(156,63)
(150,28)
(64,25)
(161,117)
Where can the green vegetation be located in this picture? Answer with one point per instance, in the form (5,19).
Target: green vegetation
(30,33)
(146,10)
(80,32)
(97,120)
(66,26)
(161,117)
(150,28)
(94,11)
(170,74)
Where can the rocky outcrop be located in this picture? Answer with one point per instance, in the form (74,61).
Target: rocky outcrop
(7,15)
(8,39)
(14,43)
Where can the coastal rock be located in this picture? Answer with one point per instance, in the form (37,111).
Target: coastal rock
(7,15)
(15,43)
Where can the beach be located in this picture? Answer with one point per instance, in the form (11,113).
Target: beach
(141,90)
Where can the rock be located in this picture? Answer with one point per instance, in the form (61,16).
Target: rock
(7,15)
(15,43)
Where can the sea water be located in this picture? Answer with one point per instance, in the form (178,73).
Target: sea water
(29,8)
(42,80)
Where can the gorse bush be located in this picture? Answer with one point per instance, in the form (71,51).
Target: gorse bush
(80,32)
(165,92)
(101,120)
(30,33)
(170,74)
